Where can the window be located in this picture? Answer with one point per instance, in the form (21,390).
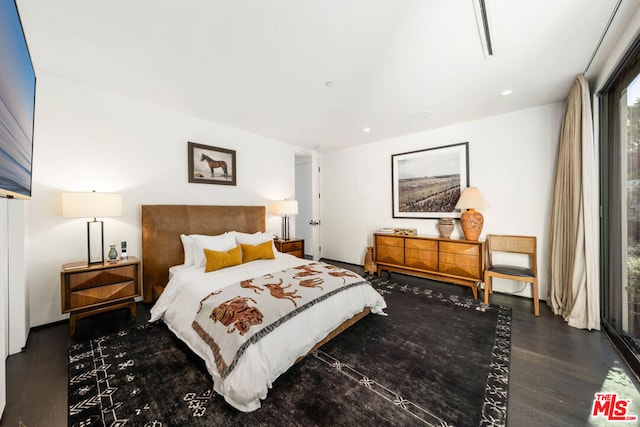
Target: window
(620,201)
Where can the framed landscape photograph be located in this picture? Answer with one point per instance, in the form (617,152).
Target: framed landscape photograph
(211,165)
(428,183)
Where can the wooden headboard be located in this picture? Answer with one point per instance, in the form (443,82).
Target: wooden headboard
(162,226)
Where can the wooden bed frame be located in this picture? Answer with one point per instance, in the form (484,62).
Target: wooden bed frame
(162,226)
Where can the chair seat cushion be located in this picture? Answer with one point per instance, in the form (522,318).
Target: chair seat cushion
(512,270)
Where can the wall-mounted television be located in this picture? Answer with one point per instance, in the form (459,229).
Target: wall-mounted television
(17,105)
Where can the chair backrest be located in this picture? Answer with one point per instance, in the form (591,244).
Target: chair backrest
(513,244)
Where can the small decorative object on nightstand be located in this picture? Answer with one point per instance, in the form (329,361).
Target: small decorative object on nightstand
(113,254)
(292,246)
(88,289)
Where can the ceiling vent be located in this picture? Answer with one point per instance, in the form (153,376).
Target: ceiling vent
(484,30)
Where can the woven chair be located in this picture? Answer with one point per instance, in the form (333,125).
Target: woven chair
(512,244)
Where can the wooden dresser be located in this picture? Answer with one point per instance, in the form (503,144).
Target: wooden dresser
(90,289)
(448,260)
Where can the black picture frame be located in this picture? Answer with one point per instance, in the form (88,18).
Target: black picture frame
(428,183)
(211,165)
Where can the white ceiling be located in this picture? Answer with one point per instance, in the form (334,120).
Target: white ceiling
(262,65)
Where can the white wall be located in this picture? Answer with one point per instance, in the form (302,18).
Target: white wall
(86,139)
(511,160)
(4,301)
(18,310)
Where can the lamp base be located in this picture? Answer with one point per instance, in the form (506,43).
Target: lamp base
(472,222)
(285,227)
(95,242)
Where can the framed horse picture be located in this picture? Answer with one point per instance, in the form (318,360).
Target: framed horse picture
(211,165)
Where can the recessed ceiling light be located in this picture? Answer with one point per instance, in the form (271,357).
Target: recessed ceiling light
(507,92)
(367,129)
(420,115)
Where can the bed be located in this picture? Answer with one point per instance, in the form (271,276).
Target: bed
(196,304)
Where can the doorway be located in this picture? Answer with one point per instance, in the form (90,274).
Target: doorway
(304,191)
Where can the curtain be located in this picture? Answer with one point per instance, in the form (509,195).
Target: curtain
(573,291)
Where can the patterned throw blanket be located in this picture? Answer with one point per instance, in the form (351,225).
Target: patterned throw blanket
(231,319)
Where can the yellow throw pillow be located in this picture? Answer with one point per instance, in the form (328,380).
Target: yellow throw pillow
(217,260)
(262,251)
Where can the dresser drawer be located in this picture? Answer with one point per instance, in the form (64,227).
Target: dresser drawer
(460,248)
(390,254)
(460,259)
(421,254)
(97,278)
(390,241)
(390,249)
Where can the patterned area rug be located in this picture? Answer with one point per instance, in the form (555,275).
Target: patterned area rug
(435,360)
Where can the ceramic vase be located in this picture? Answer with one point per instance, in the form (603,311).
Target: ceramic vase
(369,265)
(445,226)
(113,254)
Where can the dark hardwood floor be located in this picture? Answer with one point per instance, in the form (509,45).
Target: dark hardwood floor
(554,373)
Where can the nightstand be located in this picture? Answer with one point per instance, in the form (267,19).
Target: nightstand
(292,246)
(88,289)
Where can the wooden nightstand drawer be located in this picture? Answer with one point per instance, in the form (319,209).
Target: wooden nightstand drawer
(92,279)
(101,294)
(293,247)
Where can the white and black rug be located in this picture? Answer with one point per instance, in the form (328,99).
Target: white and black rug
(435,360)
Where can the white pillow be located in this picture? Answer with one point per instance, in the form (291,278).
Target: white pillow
(255,238)
(252,239)
(221,243)
(189,248)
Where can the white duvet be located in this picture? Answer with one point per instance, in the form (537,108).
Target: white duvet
(264,361)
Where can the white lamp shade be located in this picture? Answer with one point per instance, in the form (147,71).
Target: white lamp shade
(284,207)
(471,198)
(91,205)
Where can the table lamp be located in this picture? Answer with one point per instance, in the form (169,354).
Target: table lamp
(285,208)
(92,205)
(471,220)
